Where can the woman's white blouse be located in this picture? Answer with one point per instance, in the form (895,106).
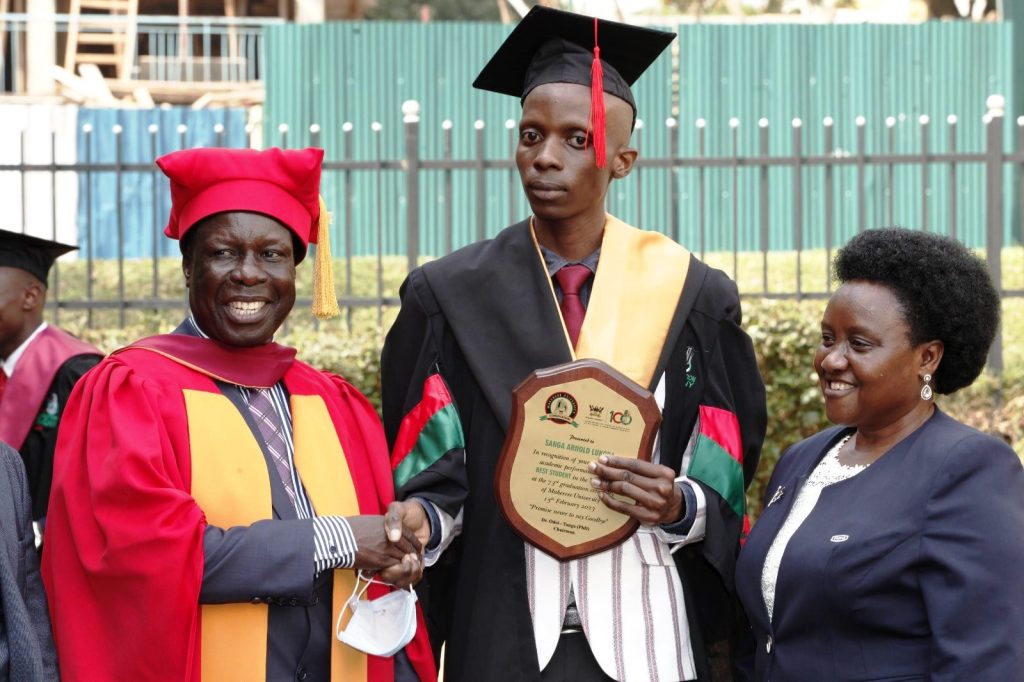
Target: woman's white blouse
(828,471)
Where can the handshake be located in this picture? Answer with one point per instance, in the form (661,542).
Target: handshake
(392,545)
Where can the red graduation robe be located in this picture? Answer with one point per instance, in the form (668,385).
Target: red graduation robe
(124,560)
(35,397)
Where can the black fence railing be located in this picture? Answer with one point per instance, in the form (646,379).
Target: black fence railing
(807,182)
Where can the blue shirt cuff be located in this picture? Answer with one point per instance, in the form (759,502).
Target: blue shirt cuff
(683,525)
(435,523)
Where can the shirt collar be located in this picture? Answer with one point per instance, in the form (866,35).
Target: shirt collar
(555,262)
(197,329)
(11,360)
(195,326)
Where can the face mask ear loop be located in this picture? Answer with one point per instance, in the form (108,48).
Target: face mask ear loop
(356,595)
(368,581)
(372,580)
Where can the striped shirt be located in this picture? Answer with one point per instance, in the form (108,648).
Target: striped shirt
(334,545)
(628,600)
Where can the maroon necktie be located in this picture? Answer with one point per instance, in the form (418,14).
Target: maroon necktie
(3,382)
(571,279)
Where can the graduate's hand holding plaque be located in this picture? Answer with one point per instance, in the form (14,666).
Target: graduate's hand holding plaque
(564,419)
(653,496)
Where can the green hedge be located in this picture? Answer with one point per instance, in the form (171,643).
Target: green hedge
(784,333)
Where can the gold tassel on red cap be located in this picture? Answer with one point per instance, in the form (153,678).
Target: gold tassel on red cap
(325,301)
(597,116)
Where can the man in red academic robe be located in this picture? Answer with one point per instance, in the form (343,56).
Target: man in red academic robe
(41,363)
(211,492)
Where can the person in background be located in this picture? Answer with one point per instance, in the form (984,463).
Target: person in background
(26,645)
(890,546)
(574,282)
(41,363)
(213,496)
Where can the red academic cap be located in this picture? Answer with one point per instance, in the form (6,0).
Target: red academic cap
(281,183)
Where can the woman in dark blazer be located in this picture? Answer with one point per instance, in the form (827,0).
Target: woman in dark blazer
(26,645)
(891,547)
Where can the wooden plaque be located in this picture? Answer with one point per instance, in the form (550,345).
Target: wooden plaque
(563,418)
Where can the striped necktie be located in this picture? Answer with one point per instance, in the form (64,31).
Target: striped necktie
(269,423)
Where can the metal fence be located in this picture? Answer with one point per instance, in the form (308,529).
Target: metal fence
(810,234)
(167,49)
(334,73)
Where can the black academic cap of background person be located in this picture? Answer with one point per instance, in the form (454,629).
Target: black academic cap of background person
(553,46)
(31,254)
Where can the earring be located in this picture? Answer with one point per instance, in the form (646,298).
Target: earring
(926,390)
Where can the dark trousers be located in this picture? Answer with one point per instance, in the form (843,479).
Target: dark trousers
(573,661)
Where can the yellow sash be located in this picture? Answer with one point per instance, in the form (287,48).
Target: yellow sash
(231,484)
(639,280)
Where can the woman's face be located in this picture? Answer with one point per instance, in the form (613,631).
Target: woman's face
(869,372)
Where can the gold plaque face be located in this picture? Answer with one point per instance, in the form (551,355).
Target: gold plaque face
(563,418)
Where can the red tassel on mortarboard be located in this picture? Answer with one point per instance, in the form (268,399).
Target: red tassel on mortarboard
(597,103)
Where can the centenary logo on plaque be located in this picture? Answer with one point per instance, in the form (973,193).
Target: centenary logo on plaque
(561,408)
(614,417)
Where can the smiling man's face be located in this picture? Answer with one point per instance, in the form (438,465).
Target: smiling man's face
(240,273)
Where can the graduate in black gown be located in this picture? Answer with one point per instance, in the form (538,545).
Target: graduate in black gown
(573,282)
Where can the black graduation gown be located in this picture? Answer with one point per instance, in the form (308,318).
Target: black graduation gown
(484,317)
(37,450)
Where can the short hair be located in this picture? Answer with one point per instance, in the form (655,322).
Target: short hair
(944,289)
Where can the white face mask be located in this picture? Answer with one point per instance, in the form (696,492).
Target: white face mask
(382,626)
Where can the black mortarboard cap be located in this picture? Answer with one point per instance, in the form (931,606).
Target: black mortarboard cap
(553,46)
(31,254)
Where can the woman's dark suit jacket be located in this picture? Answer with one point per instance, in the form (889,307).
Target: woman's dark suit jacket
(26,645)
(911,570)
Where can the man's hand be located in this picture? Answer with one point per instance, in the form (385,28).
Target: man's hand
(376,551)
(402,520)
(658,499)
(408,515)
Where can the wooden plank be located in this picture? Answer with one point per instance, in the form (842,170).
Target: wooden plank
(5,6)
(72,38)
(122,6)
(101,39)
(143,98)
(230,97)
(89,89)
(90,73)
(175,92)
(73,87)
(100,22)
(92,58)
(127,50)
(125,87)
(97,29)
